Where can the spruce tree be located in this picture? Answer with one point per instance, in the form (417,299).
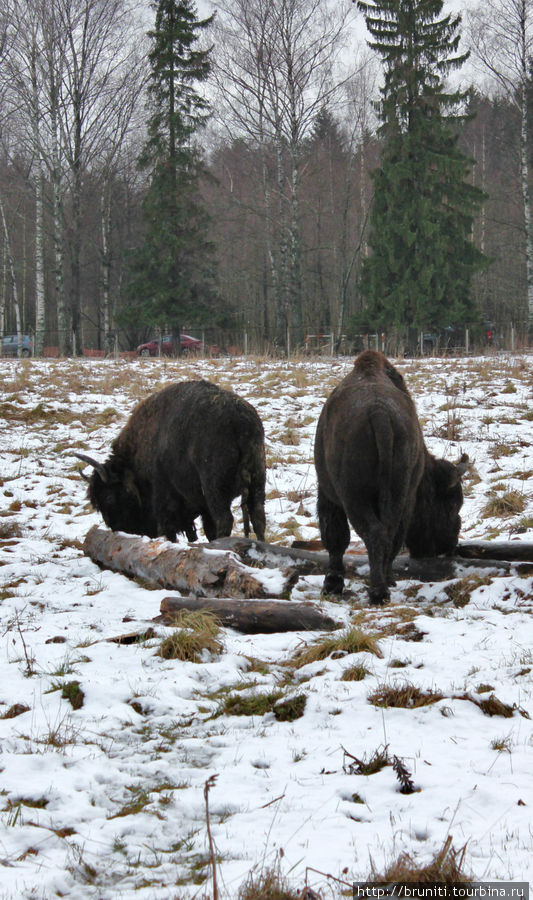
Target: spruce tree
(422,258)
(172,270)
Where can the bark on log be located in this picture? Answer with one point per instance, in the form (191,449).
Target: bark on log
(197,570)
(251,616)
(509,550)
(217,570)
(312,562)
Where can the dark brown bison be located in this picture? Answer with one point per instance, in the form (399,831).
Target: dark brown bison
(375,472)
(186,451)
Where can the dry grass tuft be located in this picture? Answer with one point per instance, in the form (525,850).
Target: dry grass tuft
(353,765)
(446,867)
(256,704)
(355,673)
(196,633)
(460,591)
(269,884)
(509,504)
(353,640)
(404,696)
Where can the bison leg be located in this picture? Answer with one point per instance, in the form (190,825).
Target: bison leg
(210,529)
(379,544)
(335,534)
(218,513)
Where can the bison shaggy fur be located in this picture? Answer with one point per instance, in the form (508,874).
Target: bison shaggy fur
(375,473)
(186,451)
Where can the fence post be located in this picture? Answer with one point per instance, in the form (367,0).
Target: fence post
(467,340)
(512,337)
(246,343)
(288,341)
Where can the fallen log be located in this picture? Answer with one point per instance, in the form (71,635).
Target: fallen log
(312,562)
(251,616)
(509,550)
(197,570)
(225,568)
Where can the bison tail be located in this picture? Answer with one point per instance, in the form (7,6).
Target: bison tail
(253,490)
(385,452)
(245,514)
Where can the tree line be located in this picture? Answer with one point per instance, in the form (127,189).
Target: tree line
(277,123)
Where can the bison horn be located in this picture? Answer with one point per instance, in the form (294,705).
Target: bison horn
(463,465)
(98,467)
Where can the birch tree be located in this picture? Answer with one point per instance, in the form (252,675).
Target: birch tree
(501,38)
(276,62)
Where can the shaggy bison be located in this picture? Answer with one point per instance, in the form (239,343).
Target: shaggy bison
(375,471)
(186,451)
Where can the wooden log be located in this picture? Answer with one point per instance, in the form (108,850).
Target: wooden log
(251,616)
(509,550)
(312,562)
(197,570)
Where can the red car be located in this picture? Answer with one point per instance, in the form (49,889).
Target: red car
(188,345)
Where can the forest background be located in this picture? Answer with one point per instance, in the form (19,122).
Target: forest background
(288,155)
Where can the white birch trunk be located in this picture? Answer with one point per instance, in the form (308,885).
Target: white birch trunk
(524,179)
(40,309)
(12,279)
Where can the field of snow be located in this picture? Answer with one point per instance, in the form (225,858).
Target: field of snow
(107,800)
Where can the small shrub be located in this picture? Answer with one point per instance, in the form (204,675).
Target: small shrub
(198,632)
(353,640)
(404,696)
(403,775)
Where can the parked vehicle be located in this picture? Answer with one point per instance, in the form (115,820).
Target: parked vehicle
(189,345)
(10,345)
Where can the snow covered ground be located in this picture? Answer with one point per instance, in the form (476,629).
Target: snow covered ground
(107,800)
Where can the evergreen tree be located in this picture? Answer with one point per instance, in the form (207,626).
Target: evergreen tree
(422,257)
(173,272)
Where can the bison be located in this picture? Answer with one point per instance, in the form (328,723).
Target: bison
(186,451)
(374,471)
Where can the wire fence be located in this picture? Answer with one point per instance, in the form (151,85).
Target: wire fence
(251,341)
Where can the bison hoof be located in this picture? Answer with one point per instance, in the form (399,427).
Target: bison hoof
(379,596)
(333,583)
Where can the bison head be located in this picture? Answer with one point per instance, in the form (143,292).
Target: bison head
(435,523)
(113,491)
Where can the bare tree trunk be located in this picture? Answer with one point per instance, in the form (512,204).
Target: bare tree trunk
(40,309)
(524,181)
(109,334)
(12,277)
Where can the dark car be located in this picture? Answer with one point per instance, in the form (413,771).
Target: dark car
(10,345)
(188,345)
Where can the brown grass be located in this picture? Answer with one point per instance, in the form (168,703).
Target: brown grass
(196,633)
(509,504)
(269,884)
(353,640)
(446,867)
(404,696)
(460,591)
